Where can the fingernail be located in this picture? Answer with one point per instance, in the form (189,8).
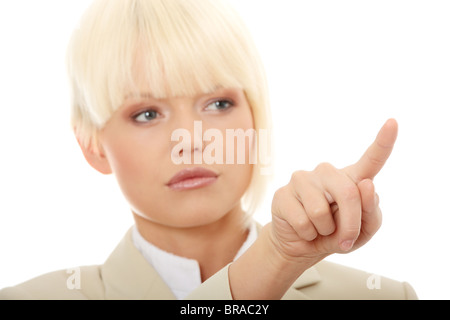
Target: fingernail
(347,245)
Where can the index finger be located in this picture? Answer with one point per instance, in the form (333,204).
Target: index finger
(376,155)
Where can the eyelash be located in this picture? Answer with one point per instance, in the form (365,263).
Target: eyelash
(216,102)
(153,111)
(137,115)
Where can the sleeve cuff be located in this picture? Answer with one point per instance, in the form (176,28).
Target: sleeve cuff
(215,288)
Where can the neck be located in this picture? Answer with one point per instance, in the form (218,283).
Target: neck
(213,245)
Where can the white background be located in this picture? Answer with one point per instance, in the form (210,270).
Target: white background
(337,70)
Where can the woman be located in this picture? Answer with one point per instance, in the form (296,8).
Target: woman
(144,70)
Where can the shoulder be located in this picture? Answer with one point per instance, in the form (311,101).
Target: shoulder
(78,283)
(345,283)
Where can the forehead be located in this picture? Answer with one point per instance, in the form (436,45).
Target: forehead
(163,76)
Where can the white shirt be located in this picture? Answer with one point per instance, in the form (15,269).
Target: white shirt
(182,275)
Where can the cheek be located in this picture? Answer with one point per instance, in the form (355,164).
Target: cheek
(240,176)
(135,163)
(239,171)
(243,140)
(126,156)
(245,118)
(134,149)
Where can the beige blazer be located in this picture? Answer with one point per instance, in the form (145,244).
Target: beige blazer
(127,275)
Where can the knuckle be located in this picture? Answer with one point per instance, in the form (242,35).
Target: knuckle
(328,230)
(376,161)
(300,225)
(324,167)
(350,192)
(298,176)
(278,193)
(320,212)
(304,229)
(283,202)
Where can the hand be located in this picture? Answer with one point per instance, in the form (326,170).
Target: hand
(331,210)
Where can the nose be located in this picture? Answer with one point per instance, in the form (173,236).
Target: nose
(195,144)
(190,146)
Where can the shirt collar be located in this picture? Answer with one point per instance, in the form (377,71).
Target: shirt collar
(182,275)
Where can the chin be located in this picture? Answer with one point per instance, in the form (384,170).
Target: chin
(184,216)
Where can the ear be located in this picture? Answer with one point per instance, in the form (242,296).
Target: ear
(95,156)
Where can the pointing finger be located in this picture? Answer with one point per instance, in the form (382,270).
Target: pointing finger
(376,155)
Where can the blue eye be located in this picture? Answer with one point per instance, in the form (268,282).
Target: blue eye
(219,105)
(146,116)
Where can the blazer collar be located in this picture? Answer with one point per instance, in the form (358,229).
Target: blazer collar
(127,275)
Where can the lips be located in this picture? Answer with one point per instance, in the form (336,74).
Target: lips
(192,178)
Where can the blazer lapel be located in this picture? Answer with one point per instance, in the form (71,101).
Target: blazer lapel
(127,275)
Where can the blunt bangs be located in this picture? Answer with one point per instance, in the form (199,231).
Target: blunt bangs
(176,48)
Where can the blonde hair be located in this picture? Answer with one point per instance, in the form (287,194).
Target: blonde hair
(182,47)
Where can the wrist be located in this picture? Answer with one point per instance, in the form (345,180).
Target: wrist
(262,272)
(285,266)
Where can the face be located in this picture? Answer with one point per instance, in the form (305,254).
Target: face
(137,144)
